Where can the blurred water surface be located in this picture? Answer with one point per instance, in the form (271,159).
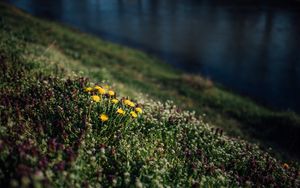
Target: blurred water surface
(250,47)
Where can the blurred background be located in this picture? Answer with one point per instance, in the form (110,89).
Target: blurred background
(248,46)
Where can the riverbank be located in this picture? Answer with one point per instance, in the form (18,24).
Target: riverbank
(133,71)
(58,129)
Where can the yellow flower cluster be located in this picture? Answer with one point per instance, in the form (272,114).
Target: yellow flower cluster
(129,103)
(107,97)
(97,89)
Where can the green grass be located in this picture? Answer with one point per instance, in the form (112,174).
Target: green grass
(51,136)
(133,71)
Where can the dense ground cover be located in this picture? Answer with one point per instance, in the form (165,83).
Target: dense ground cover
(56,132)
(133,72)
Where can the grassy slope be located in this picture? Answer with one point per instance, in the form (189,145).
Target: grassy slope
(48,138)
(134,71)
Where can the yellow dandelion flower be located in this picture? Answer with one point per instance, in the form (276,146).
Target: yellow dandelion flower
(97,87)
(106,86)
(138,110)
(111,93)
(101,91)
(133,114)
(95,98)
(88,89)
(103,117)
(121,111)
(127,102)
(115,101)
(285,166)
(131,104)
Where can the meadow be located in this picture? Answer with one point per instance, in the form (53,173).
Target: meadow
(77,111)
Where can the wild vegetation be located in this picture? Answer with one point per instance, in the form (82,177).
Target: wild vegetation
(77,112)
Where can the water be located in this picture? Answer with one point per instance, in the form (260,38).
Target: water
(250,47)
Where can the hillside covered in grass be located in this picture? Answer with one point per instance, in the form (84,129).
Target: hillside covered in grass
(77,112)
